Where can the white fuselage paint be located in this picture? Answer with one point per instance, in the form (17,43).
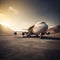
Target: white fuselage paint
(40,28)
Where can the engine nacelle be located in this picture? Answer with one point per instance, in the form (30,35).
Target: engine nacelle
(47,33)
(15,33)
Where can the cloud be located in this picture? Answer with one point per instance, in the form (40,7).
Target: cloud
(12,9)
(1,14)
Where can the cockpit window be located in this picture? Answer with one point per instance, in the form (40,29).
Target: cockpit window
(42,23)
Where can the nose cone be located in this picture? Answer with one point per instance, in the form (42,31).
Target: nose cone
(40,24)
(44,24)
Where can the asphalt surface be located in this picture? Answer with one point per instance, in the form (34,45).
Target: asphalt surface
(29,48)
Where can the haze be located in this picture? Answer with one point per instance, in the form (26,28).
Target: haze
(22,14)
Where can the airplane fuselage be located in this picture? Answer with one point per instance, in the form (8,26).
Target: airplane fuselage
(40,28)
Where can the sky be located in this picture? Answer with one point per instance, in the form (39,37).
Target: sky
(21,14)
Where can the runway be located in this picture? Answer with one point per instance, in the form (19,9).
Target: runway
(29,48)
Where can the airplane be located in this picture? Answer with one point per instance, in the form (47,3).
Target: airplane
(38,29)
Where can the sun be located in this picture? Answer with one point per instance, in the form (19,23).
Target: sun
(6,23)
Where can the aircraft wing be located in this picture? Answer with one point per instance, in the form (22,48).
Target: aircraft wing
(24,30)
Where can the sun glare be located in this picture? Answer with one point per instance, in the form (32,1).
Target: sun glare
(6,23)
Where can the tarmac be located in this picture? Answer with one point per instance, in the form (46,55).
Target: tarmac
(29,48)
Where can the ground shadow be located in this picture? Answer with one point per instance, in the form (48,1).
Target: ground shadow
(43,37)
